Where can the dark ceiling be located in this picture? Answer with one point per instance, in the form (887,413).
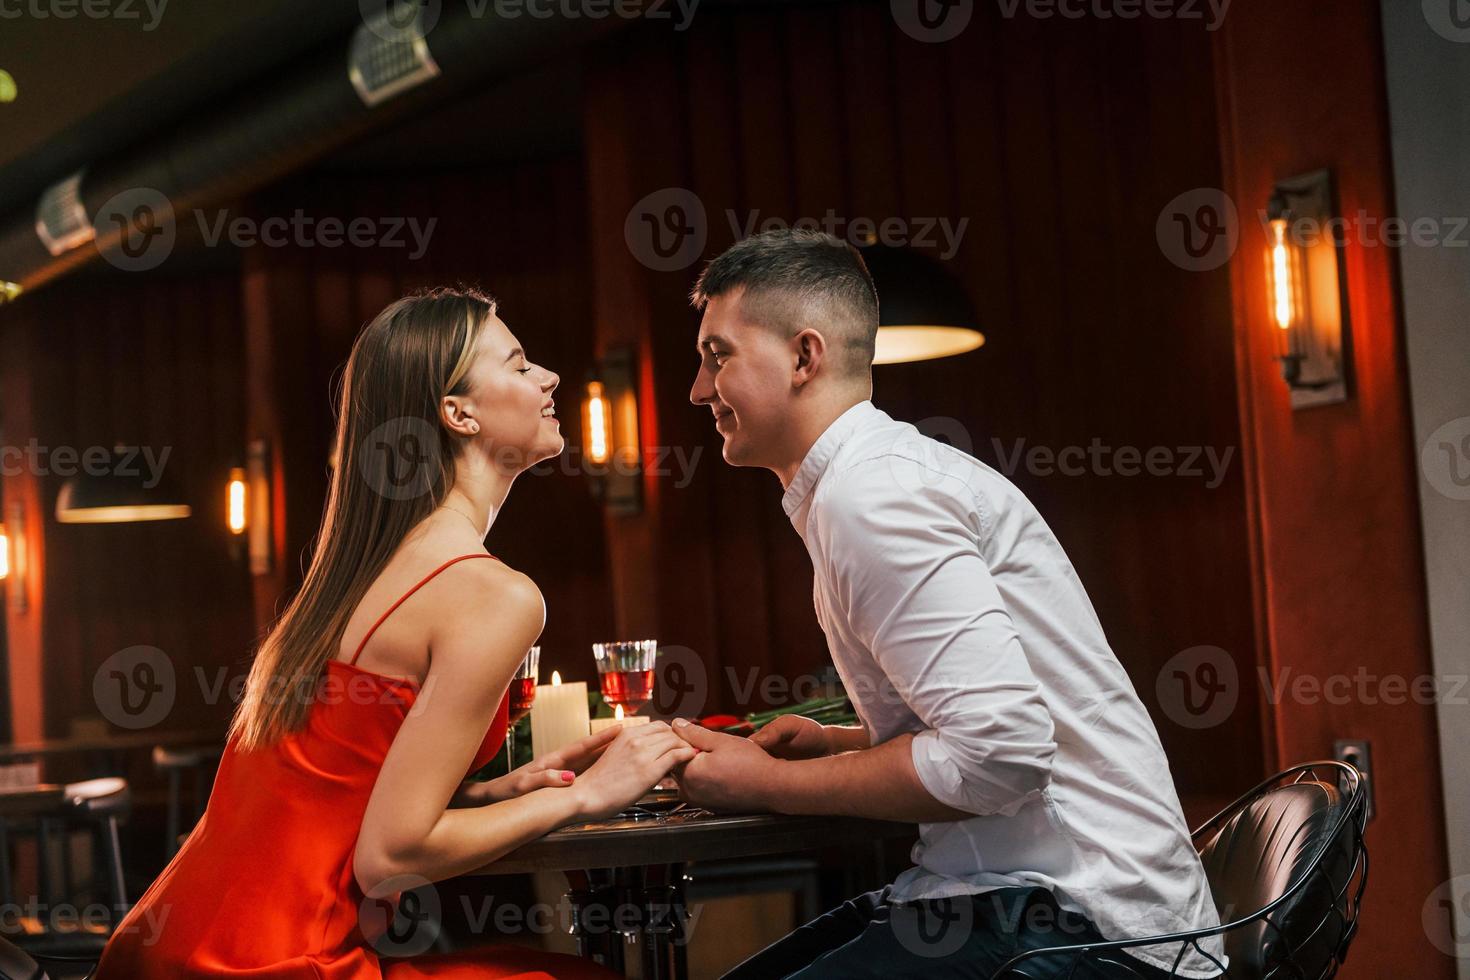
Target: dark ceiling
(88,87)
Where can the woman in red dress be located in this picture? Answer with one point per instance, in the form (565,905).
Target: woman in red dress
(382,687)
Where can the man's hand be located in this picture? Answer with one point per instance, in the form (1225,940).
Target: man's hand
(730,773)
(794,737)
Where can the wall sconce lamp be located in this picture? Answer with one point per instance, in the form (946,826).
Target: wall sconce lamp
(596,424)
(249,506)
(235,498)
(610,442)
(1305,290)
(923,311)
(13,556)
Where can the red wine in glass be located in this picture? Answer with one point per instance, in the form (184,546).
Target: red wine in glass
(630,688)
(522,696)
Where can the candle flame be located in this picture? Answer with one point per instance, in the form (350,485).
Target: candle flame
(555,677)
(618,714)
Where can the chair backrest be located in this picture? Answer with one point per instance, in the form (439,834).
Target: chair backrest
(1260,854)
(16,964)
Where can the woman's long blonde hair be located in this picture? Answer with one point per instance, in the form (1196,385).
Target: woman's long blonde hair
(394,464)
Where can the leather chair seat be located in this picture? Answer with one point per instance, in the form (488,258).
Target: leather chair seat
(1258,855)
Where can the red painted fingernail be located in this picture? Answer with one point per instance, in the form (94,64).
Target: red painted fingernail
(567,775)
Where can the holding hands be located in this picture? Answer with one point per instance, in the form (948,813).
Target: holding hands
(729,772)
(628,767)
(607,771)
(616,767)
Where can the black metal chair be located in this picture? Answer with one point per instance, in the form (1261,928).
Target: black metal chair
(96,805)
(17,964)
(201,761)
(1287,867)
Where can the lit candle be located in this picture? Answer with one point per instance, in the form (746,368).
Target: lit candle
(618,721)
(558,715)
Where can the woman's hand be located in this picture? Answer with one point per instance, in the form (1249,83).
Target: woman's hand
(556,769)
(794,737)
(637,759)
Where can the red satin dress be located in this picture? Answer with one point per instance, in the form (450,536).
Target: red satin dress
(263,887)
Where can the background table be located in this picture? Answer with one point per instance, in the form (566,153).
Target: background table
(642,861)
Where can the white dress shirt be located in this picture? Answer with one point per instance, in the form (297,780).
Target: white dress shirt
(952,612)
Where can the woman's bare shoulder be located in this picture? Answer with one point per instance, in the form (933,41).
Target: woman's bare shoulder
(488,590)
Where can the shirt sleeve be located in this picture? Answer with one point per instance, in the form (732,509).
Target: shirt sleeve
(901,547)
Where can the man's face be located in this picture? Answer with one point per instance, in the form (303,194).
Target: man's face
(745,377)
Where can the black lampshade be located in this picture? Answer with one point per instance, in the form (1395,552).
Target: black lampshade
(122,490)
(923,311)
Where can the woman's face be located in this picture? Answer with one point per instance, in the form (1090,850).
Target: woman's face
(510,398)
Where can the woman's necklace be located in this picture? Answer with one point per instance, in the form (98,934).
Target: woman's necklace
(467,517)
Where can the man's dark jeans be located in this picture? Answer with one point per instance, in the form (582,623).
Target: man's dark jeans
(970,936)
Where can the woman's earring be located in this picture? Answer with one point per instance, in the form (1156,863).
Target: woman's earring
(474,427)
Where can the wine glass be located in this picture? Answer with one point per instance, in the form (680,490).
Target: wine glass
(625,672)
(522,696)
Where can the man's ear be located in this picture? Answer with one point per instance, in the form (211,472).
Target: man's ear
(810,349)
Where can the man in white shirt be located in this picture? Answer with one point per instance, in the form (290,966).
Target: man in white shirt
(993,713)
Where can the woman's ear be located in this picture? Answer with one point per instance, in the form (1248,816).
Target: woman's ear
(455,415)
(810,348)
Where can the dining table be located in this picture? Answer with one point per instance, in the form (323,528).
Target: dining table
(637,860)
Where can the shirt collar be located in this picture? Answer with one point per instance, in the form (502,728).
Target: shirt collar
(814,464)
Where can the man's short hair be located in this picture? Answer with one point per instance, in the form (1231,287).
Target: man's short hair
(794,279)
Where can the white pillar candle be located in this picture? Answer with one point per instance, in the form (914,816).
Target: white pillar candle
(558,715)
(618,720)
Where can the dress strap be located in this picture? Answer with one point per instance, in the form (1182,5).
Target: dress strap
(426,579)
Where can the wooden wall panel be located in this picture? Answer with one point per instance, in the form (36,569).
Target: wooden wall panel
(1049,140)
(152,361)
(1333,488)
(513,231)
